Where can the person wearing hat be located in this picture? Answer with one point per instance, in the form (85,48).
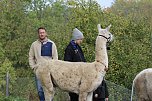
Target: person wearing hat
(74,53)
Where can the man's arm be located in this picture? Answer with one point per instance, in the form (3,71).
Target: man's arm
(54,52)
(32,62)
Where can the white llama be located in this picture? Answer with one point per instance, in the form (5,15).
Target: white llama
(143,85)
(78,77)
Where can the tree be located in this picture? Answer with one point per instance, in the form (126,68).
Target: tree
(132,52)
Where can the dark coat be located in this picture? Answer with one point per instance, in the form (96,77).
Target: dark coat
(102,91)
(74,53)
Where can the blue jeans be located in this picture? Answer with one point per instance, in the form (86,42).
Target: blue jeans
(39,89)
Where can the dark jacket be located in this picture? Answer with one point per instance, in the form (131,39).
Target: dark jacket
(73,53)
(102,91)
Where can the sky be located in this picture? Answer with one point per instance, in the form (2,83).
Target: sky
(105,3)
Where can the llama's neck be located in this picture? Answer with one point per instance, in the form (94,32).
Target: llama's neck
(101,51)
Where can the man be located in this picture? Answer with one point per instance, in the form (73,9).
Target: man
(41,48)
(74,53)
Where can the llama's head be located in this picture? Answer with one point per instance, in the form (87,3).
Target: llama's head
(105,33)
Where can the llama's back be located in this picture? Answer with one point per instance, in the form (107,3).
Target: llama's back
(149,83)
(142,83)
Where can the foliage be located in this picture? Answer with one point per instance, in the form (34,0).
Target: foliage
(11,99)
(1,53)
(131,20)
(25,88)
(6,67)
(131,51)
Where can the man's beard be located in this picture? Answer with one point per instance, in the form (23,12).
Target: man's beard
(42,38)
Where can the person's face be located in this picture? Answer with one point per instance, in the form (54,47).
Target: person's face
(42,34)
(79,41)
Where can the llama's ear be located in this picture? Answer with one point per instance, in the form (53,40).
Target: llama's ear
(99,27)
(108,28)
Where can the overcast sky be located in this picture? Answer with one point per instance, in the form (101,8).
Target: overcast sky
(105,3)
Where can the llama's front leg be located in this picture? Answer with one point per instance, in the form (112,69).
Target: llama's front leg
(89,97)
(48,87)
(48,92)
(83,96)
(45,78)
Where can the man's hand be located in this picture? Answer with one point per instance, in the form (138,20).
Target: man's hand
(35,68)
(106,99)
(96,95)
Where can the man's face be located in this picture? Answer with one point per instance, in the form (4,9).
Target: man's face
(42,34)
(79,41)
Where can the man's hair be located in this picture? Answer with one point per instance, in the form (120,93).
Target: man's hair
(40,28)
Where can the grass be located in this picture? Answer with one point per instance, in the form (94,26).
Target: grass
(2,98)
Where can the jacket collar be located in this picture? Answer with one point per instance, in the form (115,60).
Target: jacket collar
(43,41)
